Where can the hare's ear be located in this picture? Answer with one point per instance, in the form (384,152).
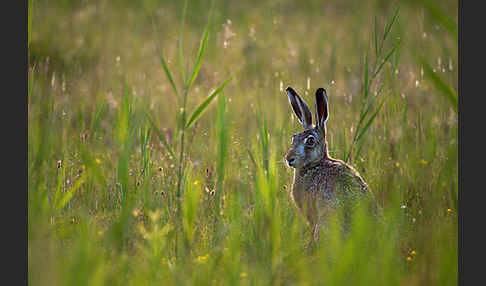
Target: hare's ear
(321,109)
(301,109)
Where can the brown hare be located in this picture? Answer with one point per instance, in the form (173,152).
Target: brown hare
(323,186)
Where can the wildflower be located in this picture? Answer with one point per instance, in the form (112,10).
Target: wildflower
(419,212)
(423,162)
(397,164)
(212,192)
(83,167)
(413,252)
(73,220)
(403,206)
(135,213)
(98,161)
(409,258)
(59,164)
(100,233)
(449,210)
(196,182)
(203,258)
(243,274)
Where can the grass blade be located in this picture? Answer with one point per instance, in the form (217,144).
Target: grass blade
(445,90)
(69,194)
(390,53)
(167,73)
(164,64)
(200,54)
(222,146)
(388,26)
(159,134)
(198,111)
(440,16)
(368,124)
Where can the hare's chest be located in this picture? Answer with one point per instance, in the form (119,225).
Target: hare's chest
(305,197)
(311,189)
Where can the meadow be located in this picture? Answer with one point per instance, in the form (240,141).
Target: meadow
(157,132)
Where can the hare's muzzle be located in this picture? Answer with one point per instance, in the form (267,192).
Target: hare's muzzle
(290,159)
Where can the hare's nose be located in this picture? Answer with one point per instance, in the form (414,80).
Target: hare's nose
(290,161)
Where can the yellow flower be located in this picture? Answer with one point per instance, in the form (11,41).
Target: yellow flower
(243,274)
(203,258)
(100,233)
(196,182)
(413,252)
(397,164)
(135,213)
(423,162)
(449,210)
(98,161)
(83,167)
(420,212)
(409,258)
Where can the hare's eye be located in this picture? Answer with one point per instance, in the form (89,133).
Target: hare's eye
(310,140)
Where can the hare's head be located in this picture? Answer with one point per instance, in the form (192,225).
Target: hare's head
(309,147)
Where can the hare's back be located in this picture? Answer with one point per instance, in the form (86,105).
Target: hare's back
(338,178)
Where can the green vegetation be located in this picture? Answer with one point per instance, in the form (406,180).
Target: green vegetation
(157,131)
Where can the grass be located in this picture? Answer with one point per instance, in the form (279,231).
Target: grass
(157,132)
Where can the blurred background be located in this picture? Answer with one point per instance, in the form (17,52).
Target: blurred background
(105,126)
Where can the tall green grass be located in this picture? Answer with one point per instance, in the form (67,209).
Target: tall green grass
(151,166)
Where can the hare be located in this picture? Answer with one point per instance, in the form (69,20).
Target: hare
(322,186)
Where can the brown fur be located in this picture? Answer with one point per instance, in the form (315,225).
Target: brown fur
(323,186)
(321,189)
